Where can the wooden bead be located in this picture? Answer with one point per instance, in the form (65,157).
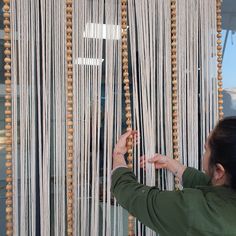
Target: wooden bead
(8,179)
(7,45)
(9,194)
(7,30)
(128,122)
(6,8)
(7,104)
(8,120)
(9,232)
(128,115)
(8,171)
(7,37)
(220,102)
(220,83)
(8,187)
(7,52)
(8,164)
(8,210)
(8,82)
(7,67)
(124,47)
(126,76)
(127,101)
(125,60)
(127,108)
(220,108)
(8,157)
(9,201)
(6,22)
(126,81)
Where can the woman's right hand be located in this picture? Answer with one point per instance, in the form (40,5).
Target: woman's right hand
(159,161)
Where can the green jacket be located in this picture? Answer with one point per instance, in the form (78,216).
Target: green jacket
(198,210)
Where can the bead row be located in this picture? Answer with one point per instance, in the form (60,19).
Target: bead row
(174,87)
(69,118)
(128,115)
(219,58)
(8,117)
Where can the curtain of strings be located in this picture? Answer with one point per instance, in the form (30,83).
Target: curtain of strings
(38,50)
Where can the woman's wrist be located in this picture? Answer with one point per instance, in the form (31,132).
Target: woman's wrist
(176,168)
(118,159)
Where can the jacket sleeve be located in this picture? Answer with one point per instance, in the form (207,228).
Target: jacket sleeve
(192,178)
(163,211)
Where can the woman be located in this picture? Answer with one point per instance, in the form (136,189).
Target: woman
(207,203)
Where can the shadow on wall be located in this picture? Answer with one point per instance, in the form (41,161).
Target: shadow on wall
(229,106)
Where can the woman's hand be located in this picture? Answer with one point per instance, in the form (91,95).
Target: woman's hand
(159,161)
(121,149)
(121,145)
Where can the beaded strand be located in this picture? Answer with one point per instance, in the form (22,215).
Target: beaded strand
(128,115)
(69,118)
(174,87)
(219,58)
(8,117)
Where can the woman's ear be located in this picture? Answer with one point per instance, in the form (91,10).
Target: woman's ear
(219,172)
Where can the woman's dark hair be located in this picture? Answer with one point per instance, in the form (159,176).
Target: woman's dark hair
(222,144)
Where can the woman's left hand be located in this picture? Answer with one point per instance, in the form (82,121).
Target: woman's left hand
(121,145)
(121,148)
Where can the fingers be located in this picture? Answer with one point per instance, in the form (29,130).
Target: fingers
(128,133)
(142,162)
(132,133)
(158,158)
